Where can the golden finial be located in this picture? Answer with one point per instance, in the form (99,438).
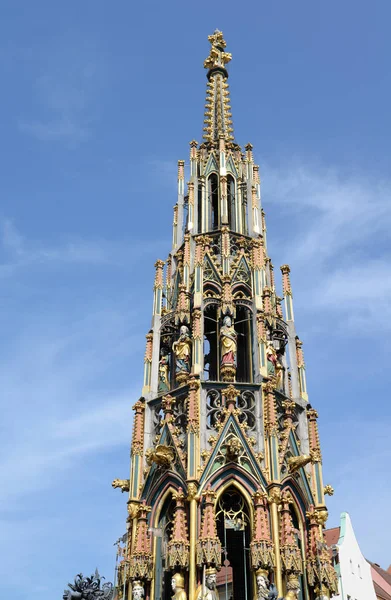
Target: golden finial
(217,57)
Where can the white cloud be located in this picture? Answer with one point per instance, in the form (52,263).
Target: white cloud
(338,246)
(21,252)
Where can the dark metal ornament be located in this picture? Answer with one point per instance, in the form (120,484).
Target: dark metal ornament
(89,588)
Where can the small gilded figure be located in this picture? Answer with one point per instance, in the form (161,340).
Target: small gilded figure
(182,350)
(228,342)
(164,364)
(178,587)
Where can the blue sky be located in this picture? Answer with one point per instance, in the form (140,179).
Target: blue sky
(99,100)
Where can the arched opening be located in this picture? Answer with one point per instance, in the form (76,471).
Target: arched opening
(211,336)
(233,527)
(199,209)
(244,368)
(298,535)
(213,201)
(162,534)
(231,201)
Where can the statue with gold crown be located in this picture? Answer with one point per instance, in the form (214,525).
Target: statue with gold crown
(178,587)
(208,590)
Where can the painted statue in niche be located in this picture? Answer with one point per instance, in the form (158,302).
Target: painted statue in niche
(182,350)
(164,366)
(274,365)
(209,590)
(264,588)
(228,342)
(137,591)
(178,587)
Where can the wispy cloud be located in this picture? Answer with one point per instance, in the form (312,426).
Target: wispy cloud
(20,251)
(338,244)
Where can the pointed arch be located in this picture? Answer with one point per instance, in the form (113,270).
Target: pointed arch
(213,200)
(231,202)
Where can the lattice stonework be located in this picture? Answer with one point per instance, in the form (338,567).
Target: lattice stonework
(225,457)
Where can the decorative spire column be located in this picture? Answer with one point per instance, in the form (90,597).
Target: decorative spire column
(178,546)
(301,369)
(141,563)
(290,552)
(148,363)
(261,547)
(180,205)
(287,290)
(209,545)
(193,428)
(316,457)
(137,448)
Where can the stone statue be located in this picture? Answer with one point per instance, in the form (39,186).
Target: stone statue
(322,593)
(164,363)
(182,350)
(293,588)
(137,590)
(89,588)
(178,587)
(209,592)
(161,454)
(264,588)
(123,484)
(274,365)
(228,342)
(271,356)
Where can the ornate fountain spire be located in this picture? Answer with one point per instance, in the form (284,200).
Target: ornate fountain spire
(218,123)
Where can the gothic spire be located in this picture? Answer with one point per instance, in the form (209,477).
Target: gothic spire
(217,119)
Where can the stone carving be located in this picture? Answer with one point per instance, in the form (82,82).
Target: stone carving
(228,342)
(89,588)
(121,483)
(233,449)
(209,591)
(164,382)
(178,587)
(296,462)
(137,590)
(162,455)
(182,350)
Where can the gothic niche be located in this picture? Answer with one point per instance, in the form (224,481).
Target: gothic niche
(167,335)
(231,201)
(213,201)
(275,355)
(162,534)
(227,345)
(233,528)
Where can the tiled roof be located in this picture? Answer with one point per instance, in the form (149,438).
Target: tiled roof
(380,593)
(385,574)
(331,536)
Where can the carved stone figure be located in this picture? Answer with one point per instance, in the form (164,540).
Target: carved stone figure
(137,590)
(262,584)
(322,593)
(293,588)
(296,462)
(182,350)
(178,587)
(228,342)
(210,591)
(233,449)
(124,484)
(264,588)
(271,356)
(164,363)
(162,455)
(89,588)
